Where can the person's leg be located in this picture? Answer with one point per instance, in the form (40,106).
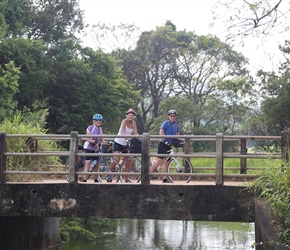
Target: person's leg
(128,164)
(86,169)
(159,161)
(88,160)
(96,169)
(117,149)
(156,164)
(113,163)
(165,169)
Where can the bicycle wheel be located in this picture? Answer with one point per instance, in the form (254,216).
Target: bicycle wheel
(104,166)
(131,165)
(179,165)
(80,166)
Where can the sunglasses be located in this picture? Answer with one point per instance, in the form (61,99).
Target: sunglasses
(172,115)
(98,120)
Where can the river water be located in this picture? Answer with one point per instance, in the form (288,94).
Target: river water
(136,234)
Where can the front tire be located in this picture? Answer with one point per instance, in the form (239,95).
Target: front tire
(183,165)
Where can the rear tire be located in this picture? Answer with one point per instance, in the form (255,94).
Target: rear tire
(185,167)
(133,166)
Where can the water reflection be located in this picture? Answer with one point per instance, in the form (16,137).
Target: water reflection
(165,234)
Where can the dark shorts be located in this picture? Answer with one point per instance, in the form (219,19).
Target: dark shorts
(120,148)
(90,158)
(162,149)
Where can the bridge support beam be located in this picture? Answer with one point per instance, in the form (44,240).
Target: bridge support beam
(29,233)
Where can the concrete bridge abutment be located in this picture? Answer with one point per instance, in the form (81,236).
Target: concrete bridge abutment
(29,233)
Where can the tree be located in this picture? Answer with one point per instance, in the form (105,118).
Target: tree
(85,82)
(167,63)
(9,76)
(30,56)
(201,67)
(115,38)
(275,90)
(236,103)
(48,20)
(149,67)
(248,17)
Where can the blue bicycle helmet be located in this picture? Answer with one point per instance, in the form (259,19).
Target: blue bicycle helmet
(97,117)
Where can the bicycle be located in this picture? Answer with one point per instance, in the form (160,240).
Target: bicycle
(130,164)
(99,164)
(176,165)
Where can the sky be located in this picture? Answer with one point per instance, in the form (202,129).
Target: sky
(190,15)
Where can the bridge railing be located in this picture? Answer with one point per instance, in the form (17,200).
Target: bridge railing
(219,155)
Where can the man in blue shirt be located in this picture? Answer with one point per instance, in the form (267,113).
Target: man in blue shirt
(168,127)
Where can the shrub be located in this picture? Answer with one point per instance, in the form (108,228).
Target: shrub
(274,186)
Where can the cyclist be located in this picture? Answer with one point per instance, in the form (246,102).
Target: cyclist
(92,144)
(128,126)
(168,127)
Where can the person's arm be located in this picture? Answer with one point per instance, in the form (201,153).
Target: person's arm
(123,125)
(162,132)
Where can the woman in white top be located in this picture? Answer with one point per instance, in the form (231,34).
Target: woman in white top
(128,126)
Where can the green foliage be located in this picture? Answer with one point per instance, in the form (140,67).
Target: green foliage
(8,88)
(28,123)
(86,82)
(274,185)
(73,228)
(48,20)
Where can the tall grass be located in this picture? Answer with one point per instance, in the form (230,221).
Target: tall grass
(20,125)
(257,164)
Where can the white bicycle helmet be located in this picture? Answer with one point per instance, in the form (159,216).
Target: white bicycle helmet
(172,111)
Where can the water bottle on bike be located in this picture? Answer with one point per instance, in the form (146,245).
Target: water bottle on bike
(94,163)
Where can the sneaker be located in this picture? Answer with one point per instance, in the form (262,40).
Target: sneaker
(165,181)
(109,178)
(96,180)
(154,177)
(128,180)
(83,180)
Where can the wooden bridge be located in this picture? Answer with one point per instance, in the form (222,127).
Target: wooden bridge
(217,196)
(218,173)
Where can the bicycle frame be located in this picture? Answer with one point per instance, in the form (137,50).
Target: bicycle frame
(174,163)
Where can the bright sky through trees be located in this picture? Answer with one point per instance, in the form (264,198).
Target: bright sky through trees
(192,15)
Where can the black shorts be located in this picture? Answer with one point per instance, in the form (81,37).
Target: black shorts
(120,148)
(163,149)
(90,158)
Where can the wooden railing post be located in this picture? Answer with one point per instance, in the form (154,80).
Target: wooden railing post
(73,178)
(285,147)
(187,151)
(145,159)
(243,161)
(219,160)
(3,150)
